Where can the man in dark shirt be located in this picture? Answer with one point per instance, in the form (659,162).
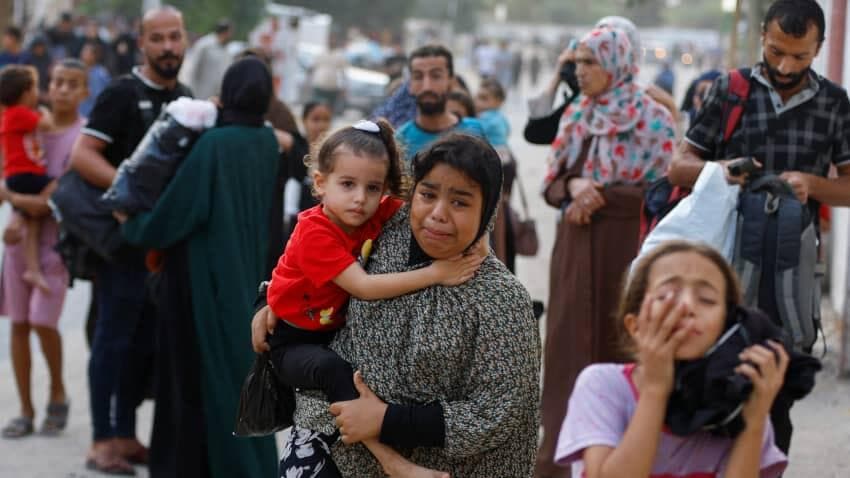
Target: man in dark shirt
(795,124)
(122,348)
(12,50)
(64,41)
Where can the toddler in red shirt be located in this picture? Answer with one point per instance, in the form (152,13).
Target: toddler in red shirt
(319,270)
(24,170)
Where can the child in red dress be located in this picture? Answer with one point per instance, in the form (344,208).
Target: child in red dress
(24,170)
(319,270)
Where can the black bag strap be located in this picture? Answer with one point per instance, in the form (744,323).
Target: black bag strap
(144,103)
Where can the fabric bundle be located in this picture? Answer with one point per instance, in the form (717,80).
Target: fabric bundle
(708,394)
(142,177)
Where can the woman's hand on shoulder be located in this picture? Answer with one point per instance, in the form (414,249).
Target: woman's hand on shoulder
(657,335)
(360,419)
(457,270)
(765,367)
(262,325)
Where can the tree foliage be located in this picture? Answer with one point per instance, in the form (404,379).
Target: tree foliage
(200,15)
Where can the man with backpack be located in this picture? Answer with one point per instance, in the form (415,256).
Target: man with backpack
(121,355)
(794,125)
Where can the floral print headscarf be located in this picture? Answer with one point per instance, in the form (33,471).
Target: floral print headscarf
(631,136)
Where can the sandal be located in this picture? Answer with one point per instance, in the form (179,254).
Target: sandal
(18,428)
(56,419)
(138,457)
(110,465)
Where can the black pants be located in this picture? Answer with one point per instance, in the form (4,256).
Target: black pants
(27,183)
(304,361)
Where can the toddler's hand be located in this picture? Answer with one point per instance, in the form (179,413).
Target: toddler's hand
(12,234)
(457,270)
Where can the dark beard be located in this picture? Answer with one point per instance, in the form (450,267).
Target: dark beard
(429,108)
(794,79)
(168,73)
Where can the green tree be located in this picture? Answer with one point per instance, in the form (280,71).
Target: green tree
(200,15)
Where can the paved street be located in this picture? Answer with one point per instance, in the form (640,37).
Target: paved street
(822,420)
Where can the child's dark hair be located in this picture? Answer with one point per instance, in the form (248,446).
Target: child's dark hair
(636,283)
(494,87)
(310,106)
(15,80)
(358,141)
(465,100)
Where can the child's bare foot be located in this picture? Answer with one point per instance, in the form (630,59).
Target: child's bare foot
(406,469)
(35,279)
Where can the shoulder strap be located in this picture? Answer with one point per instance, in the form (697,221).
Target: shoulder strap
(736,98)
(144,104)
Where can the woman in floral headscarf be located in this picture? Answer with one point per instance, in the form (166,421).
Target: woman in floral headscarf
(612,141)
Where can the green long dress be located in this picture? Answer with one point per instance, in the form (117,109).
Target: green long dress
(218,205)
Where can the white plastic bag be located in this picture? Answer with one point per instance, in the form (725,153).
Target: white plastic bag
(708,215)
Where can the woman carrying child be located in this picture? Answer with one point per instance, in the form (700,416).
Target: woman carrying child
(310,287)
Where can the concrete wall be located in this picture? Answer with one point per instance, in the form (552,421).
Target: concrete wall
(841,216)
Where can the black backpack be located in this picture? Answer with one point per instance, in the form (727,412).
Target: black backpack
(88,234)
(776,258)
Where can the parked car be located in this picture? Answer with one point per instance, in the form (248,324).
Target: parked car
(364,90)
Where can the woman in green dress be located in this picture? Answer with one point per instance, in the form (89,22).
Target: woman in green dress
(213,223)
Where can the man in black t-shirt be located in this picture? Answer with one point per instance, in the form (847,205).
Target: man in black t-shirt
(121,355)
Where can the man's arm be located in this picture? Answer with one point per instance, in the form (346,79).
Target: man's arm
(686,165)
(88,160)
(829,191)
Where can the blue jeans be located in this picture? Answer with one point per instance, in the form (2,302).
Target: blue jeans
(121,352)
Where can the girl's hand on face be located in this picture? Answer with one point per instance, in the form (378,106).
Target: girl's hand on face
(657,337)
(767,372)
(457,270)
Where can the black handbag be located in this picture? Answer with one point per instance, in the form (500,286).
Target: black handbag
(77,208)
(266,404)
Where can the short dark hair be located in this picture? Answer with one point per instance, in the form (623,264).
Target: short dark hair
(14,32)
(494,87)
(15,80)
(222,26)
(73,64)
(433,50)
(795,17)
(465,100)
(311,105)
(96,47)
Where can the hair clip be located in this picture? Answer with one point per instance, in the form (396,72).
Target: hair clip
(367,126)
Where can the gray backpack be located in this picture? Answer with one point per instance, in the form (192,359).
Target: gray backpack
(776,258)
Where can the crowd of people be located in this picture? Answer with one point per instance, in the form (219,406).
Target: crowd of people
(384,253)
